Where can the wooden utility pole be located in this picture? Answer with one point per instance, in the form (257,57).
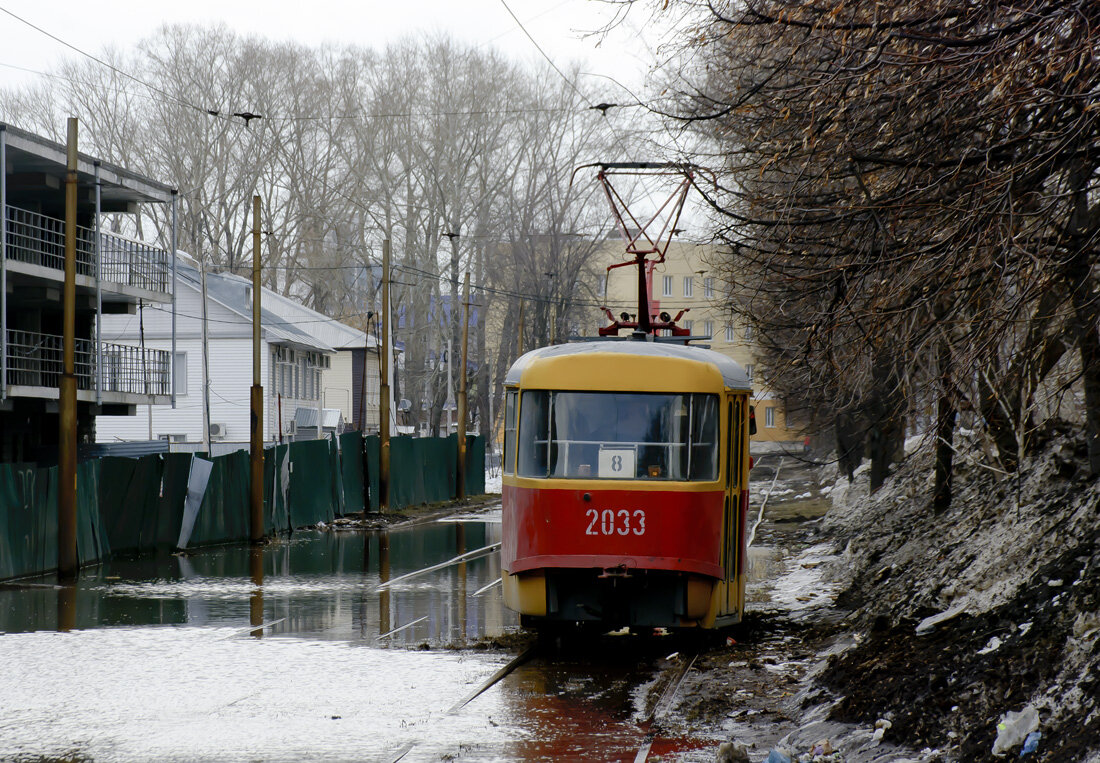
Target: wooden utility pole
(67,562)
(461,477)
(384,387)
(256,420)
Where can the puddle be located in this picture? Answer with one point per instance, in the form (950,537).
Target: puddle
(315,585)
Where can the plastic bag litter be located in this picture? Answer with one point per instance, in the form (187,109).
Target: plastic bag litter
(1031,744)
(777,756)
(1014,728)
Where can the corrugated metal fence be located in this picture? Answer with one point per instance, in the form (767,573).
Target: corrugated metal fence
(135,505)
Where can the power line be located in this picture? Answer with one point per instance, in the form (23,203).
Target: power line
(544,55)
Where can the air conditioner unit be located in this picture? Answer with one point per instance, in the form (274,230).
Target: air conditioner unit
(292,427)
(217,431)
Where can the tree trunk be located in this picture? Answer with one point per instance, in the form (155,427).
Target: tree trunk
(849,444)
(885,417)
(945,435)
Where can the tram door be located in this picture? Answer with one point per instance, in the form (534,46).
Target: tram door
(732,517)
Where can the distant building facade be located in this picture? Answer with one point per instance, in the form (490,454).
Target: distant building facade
(686,280)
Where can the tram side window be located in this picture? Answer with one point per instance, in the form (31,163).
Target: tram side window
(509,465)
(704,438)
(534,430)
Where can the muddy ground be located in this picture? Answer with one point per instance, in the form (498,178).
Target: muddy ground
(830,646)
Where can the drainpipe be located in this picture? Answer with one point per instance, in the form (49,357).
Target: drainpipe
(172,363)
(98,289)
(3,262)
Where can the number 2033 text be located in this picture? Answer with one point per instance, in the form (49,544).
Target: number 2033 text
(615,522)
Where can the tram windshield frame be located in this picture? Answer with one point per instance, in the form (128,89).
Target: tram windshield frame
(618,435)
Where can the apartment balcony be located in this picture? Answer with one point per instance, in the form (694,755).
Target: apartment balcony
(128,375)
(128,270)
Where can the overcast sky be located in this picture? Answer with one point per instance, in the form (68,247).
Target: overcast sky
(559,27)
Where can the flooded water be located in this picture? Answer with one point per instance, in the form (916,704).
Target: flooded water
(329,646)
(316,585)
(300,650)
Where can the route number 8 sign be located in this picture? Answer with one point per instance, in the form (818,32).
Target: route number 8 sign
(616,463)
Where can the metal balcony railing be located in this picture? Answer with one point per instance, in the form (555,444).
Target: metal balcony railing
(37,360)
(40,240)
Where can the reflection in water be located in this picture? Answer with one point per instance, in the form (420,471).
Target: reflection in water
(384,577)
(256,599)
(316,584)
(66,608)
(460,592)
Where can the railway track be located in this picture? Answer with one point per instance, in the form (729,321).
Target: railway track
(664,703)
(523,657)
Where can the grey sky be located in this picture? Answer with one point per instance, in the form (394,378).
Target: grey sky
(558,26)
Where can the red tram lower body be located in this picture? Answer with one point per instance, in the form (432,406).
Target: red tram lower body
(617,557)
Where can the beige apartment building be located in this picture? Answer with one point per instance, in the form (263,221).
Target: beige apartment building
(686,280)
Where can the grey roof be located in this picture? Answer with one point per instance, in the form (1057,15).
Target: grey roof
(322,327)
(733,375)
(234,293)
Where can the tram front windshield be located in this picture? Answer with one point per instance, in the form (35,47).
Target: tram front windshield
(618,435)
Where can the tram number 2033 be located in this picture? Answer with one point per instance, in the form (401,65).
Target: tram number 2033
(612,522)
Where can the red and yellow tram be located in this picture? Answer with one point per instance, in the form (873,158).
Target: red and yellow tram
(625,486)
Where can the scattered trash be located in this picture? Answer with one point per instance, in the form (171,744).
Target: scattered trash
(1014,728)
(1031,744)
(733,752)
(928,624)
(993,645)
(881,727)
(777,756)
(1055,583)
(730,641)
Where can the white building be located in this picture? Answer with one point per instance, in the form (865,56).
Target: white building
(306,360)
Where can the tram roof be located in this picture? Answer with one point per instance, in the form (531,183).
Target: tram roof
(733,375)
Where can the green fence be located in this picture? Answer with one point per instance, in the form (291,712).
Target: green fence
(135,505)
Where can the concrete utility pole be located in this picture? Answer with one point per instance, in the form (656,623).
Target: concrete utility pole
(461,477)
(67,562)
(205,360)
(384,360)
(256,493)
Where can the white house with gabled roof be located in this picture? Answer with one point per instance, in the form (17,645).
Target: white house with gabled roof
(306,362)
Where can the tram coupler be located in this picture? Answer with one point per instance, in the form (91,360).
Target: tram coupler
(621,571)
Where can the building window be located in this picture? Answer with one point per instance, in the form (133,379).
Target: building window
(708,288)
(689,325)
(666,287)
(748,371)
(729,333)
(179,374)
(769,416)
(708,328)
(748,333)
(601,285)
(689,285)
